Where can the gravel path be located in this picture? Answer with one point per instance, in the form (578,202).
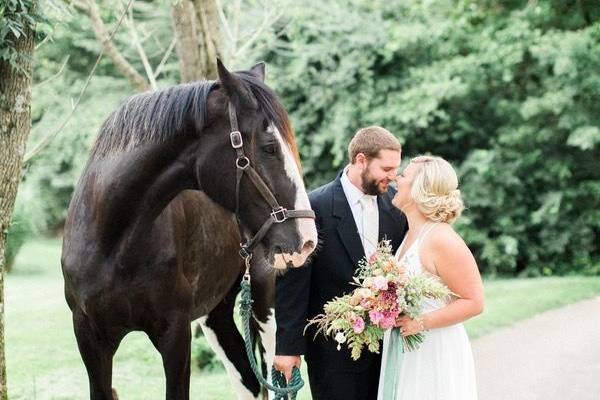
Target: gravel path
(552,356)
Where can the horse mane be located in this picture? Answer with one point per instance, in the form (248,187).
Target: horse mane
(153,117)
(156,117)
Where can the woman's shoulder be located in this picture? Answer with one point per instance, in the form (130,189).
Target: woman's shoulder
(445,239)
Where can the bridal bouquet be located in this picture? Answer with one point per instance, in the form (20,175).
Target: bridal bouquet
(384,292)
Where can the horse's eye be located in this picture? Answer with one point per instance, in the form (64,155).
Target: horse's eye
(270,149)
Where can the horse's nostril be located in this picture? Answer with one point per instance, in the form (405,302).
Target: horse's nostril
(277,250)
(309,245)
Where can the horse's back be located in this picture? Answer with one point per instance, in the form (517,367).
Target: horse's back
(188,261)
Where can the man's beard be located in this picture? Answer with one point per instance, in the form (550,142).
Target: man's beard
(370,185)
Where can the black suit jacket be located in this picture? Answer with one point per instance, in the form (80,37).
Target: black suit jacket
(302,292)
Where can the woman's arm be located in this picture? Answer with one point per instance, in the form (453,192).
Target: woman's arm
(452,260)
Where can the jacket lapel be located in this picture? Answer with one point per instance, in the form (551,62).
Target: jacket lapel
(347,227)
(384,217)
(391,225)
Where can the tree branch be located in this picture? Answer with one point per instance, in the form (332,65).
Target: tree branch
(91,9)
(224,21)
(60,71)
(142,53)
(267,21)
(165,58)
(46,140)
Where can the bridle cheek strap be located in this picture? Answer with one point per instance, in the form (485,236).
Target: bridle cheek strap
(278,214)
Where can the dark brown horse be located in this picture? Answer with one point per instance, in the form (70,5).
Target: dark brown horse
(151,241)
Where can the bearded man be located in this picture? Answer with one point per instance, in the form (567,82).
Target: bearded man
(353,213)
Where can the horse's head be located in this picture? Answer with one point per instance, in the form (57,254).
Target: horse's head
(268,148)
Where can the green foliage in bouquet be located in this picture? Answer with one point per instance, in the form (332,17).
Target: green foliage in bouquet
(337,318)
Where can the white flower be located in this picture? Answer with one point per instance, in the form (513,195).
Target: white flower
(340,337)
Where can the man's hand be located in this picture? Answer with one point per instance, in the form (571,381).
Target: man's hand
(285,364)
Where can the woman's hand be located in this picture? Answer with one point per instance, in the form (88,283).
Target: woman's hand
(410,326)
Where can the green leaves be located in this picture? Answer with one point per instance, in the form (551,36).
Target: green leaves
(508,93)
(585,137)
(15,17)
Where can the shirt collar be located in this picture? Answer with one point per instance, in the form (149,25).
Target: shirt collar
(353,194)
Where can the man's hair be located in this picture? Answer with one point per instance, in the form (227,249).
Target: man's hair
(370,141)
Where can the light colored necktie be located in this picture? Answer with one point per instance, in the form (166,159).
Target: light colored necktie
(370,224)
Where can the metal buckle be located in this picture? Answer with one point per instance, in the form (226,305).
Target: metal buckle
(279,214)
(242,162)
(236,139)
(244,252)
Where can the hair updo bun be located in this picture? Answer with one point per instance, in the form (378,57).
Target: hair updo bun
(435,189)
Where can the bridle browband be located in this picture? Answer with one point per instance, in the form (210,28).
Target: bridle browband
(278,214)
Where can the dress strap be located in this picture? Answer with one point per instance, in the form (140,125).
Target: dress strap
(425,232)
(399,251)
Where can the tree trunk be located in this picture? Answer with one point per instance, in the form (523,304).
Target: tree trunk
(15,123)
(198,38)
(210,43)
(185,25)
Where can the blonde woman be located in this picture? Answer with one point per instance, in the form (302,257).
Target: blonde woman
(442,368)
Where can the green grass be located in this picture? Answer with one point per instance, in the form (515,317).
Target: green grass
(43,361)
(42,357)
(511,300)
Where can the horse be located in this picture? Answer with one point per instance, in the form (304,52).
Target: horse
(172,186)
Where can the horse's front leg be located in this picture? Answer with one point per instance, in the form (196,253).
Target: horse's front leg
(173,342)
(225,340)
(97,349)
(263,313)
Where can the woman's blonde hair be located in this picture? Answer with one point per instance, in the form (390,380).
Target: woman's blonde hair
(435,189)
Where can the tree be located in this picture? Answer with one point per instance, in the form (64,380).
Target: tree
(198,38)
(506,91)
(17,31)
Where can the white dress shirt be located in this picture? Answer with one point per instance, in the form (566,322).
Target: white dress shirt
(353,195)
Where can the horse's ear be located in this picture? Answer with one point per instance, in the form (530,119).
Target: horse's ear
(237,91)
(259,71)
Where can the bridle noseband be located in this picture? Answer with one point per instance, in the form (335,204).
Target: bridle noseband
(278,214)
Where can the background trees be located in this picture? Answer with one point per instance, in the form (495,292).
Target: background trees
(506,90)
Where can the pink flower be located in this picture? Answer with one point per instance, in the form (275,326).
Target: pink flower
(387,300)
(380,283)
(375,316)
(388,319)
(358,324)
(366,303)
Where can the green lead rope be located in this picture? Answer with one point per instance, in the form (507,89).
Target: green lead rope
(280,387)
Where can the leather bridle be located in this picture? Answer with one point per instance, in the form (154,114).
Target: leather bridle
(278,214)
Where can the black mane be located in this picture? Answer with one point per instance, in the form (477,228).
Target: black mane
(153,117)
(156,117)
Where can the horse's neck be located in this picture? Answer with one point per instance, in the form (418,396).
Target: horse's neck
(131,189)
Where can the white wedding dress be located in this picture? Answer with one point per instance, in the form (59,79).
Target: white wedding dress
(442,368)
